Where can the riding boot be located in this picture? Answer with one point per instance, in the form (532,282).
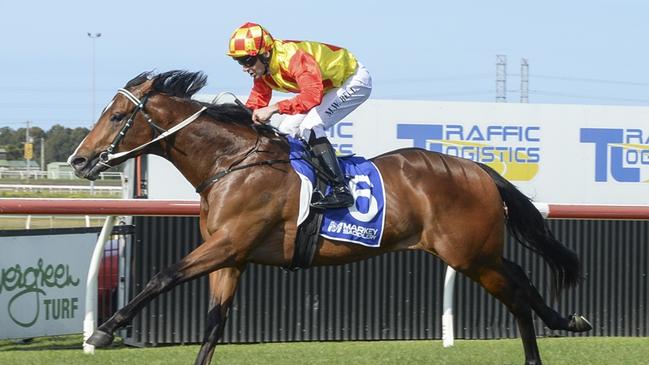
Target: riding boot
(339,197)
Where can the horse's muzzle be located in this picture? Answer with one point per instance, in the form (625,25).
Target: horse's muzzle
(86,168)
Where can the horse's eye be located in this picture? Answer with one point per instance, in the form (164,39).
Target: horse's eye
(116,117)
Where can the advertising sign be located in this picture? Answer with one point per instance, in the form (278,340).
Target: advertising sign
(580,154)
(42,284)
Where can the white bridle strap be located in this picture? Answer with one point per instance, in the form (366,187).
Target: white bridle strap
(129,95)
(164,135)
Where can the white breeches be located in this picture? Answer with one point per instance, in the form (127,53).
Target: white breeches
(336,104)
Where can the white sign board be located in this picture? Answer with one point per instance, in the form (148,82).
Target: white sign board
(43,284)
(554,153)
(165,182)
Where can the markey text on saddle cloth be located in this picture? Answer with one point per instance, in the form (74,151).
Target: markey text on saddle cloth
(361,223)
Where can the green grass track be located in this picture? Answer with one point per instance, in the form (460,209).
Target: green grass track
(555,351)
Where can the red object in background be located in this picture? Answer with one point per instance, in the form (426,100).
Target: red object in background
(108,281)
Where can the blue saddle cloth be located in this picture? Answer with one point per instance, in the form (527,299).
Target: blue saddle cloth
(361,223)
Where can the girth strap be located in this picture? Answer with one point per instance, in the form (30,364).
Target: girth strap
(308,233)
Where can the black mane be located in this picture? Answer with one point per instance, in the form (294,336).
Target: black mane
(184,84)
(179,83)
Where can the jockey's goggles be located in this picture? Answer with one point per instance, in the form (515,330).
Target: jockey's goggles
(247,61)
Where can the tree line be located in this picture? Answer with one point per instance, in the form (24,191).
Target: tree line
(60,142)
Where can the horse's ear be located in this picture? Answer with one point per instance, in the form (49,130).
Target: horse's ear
(139,79)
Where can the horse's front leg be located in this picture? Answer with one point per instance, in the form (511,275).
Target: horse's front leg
(215,253)
(223,285)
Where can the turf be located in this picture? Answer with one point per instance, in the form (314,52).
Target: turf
(555,351)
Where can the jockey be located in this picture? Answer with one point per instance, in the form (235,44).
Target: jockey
(330,84)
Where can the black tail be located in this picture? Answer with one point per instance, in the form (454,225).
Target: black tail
(528,227)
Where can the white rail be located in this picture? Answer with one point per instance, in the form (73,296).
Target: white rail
(90,319)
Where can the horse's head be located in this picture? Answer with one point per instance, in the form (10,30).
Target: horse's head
(134,116)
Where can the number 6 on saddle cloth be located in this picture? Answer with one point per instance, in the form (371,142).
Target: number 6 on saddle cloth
(362,223)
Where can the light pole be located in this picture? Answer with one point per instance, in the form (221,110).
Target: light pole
(94,38)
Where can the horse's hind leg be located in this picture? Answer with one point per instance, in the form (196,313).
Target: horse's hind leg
(554,321)
(498,283)
(223,285)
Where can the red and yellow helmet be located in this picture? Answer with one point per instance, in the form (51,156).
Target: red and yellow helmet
(250,39)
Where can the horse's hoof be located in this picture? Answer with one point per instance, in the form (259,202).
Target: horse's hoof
(100,338)
(578,323)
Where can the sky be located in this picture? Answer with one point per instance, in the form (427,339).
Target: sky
(579,52)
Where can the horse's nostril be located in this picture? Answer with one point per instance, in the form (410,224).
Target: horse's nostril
(78,162)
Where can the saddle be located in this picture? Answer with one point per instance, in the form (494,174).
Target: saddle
(360,224)
(308,232)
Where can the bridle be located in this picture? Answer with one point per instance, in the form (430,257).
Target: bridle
(107,155)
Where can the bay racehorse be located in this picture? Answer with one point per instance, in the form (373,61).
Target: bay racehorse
(450,207)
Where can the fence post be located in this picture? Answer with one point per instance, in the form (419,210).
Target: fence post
(89,321)
(448,337)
